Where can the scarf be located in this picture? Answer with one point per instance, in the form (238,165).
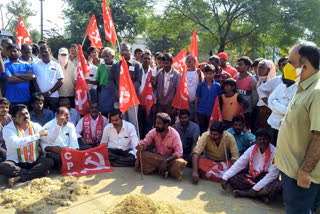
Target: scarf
(87,133)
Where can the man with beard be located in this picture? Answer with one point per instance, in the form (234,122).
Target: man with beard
(189,133)
(90,128)
(26,54)
(49,78)
(73,57)
(243,138)
(24,161)
(121,138)
(17,77)
(161,150)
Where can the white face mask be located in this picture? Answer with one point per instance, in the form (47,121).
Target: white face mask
(63,60)
(298,70)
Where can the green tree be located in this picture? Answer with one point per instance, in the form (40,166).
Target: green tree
(35,35)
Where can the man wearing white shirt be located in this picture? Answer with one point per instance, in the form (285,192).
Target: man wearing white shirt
(24,161)
(90,128)
(49,77)
(121,138)
(66,136)
(261,180)
(278,102)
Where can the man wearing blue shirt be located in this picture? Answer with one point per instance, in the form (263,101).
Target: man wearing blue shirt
(244,139)
(206,94)
(17,77)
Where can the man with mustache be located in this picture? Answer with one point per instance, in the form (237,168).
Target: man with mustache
(24,161)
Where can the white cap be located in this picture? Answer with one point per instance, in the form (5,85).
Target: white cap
(63,51)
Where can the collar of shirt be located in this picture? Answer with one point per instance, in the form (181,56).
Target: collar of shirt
(181,128)
(306,83)
(231,130)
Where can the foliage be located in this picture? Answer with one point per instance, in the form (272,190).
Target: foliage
(35,35)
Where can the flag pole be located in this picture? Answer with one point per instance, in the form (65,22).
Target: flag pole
(118,44)
(84,39)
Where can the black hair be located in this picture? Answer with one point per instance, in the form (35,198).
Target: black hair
(115,112)
(157,54)
(262,132)
(42,42)
(281,60)
(4,100)
(246,60)
(46,47)
(74,45)
(217,126)
(231,82)
(209,68)
(125,45)
(309,51)
(13,46)
(237,118)
(184,112)
(137,50)
(37,97)
(91,49)
(146,52)
(167,57)
(214,58)
(164,117)
(17,108)
(35,49)
(25,46)
(256,62)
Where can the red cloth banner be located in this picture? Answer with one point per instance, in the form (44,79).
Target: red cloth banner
(194,47)
(179,62)
(216,112)
(85,162)
(93,33)
(81,92)
(22,34)
(212,170)
(109,30)
(181,99)
(127,93)
(147,97)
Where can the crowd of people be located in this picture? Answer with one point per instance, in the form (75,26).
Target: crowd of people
(267,141)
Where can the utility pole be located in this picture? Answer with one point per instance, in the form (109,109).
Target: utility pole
(41,1)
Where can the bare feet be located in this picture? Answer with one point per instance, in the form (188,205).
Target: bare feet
(13,181)
(195,178)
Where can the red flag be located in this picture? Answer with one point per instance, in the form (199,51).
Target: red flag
(22,34)
(181,99)
(179,61)
(93,33)
(109,30)
(146,97)
(194,47)
(216,112)
(81,92)
(127,93)
(85,162)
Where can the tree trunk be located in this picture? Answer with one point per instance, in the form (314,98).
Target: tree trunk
(222,45)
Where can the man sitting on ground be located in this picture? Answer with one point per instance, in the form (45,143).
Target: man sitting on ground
(39,114)
(243,138)
(91,127)
(216,144)
(189,133)
(121,138)
(74,115)
(5,119)
(262,176)
(161,150)
(66,136)
(22,136)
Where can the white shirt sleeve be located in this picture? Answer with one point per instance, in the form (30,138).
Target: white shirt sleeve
(59,72)
(10,137)
(105,135)
(73,138)
(273,102)
(79,128)
(273,173)
(265,89)
(134,140)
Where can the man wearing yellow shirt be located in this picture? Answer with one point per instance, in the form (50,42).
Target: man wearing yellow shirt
(298,144)
(217,146)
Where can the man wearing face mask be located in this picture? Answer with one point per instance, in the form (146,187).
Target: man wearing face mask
(69,72)
(298,144)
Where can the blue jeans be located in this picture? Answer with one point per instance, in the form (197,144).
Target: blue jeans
(297,199)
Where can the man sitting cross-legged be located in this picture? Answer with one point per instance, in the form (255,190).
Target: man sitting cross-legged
(22,140)
(217,145)
(121,138)
(161,150)
(262,176)
(66,136)
(91,127)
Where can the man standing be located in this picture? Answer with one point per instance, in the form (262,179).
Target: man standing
(221,75)
(17,77)
(26,54)
(22,136)
(5,43)
(298,144)
(73,57)
(65,133)
(49,78)
(189,133)
(69,76)
(165,85)
(161,150)
(138,55)
(225,66)
(90,128)
(121,138)
(135,70)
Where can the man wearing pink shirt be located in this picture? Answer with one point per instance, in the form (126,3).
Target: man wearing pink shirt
(161,150)
(225,66)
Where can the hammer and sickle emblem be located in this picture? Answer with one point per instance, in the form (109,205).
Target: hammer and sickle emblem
(99,165)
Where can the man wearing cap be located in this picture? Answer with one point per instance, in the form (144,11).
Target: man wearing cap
(224,64)
(69,72)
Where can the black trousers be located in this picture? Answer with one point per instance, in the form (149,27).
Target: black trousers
(203,122)
(56,158)
(27,171)
(120,158)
